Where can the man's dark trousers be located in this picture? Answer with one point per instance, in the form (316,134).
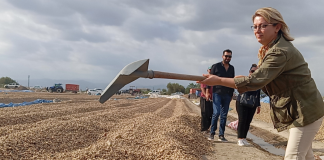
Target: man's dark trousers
(206,108)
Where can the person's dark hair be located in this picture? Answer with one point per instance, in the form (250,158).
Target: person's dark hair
(227,50)
(253,65)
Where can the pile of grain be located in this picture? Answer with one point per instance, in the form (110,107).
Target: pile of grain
(121,129)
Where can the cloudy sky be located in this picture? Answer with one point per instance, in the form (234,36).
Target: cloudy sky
(93,40)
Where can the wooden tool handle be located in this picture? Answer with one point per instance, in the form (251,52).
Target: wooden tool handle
(158,74)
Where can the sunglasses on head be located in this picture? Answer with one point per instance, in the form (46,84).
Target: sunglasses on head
(228,56)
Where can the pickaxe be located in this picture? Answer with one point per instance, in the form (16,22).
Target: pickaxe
(138,69)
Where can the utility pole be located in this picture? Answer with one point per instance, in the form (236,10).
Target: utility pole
(28,81)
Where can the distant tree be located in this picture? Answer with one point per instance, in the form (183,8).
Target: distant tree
(175,87)
(7,80)
(191,85)
(164,91)
(146,92)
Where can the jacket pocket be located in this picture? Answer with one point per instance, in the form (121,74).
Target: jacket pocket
(282,108)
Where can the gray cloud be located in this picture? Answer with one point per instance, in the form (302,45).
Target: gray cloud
(95,40)
(103,13)
(148,29)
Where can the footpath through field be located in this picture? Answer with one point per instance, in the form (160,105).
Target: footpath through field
(230,150)
(266,141)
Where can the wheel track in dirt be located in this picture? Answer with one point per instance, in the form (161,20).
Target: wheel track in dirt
(39,112)
(63,113)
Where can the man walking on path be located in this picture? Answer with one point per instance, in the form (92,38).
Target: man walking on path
(206,107)
(222,96)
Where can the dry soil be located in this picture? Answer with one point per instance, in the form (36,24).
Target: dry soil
(79,127)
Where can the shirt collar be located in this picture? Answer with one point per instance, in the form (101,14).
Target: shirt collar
(223,63)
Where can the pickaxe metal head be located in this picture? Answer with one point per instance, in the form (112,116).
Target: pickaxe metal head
(137,69)
(124,77)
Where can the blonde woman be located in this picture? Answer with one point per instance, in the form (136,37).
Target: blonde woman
(284,76)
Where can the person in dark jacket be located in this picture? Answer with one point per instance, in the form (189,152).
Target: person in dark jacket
(206,107)
(245,113)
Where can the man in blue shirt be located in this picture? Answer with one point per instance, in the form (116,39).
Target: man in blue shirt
(222,96)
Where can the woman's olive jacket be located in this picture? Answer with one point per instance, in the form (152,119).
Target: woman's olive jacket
(284,76)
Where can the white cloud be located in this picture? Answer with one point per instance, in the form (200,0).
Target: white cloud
(178,13)
(93,41)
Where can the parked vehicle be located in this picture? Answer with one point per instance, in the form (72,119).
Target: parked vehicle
(56,88)
(95,91)
(192,93)
(134,91)
(124,91)
(74,88)
(155,92)
(12,85)
(193,90)
(36,87)
(177,93)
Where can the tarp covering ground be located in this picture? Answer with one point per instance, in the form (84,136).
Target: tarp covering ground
(25,103)
(265,100)
(15,90)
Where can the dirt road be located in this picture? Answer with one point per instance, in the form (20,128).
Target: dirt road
(80,127)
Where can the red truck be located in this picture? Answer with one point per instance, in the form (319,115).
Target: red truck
(192,93)
(193,90)
(74,88)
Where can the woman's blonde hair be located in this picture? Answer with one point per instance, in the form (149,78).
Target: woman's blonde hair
(273,16)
